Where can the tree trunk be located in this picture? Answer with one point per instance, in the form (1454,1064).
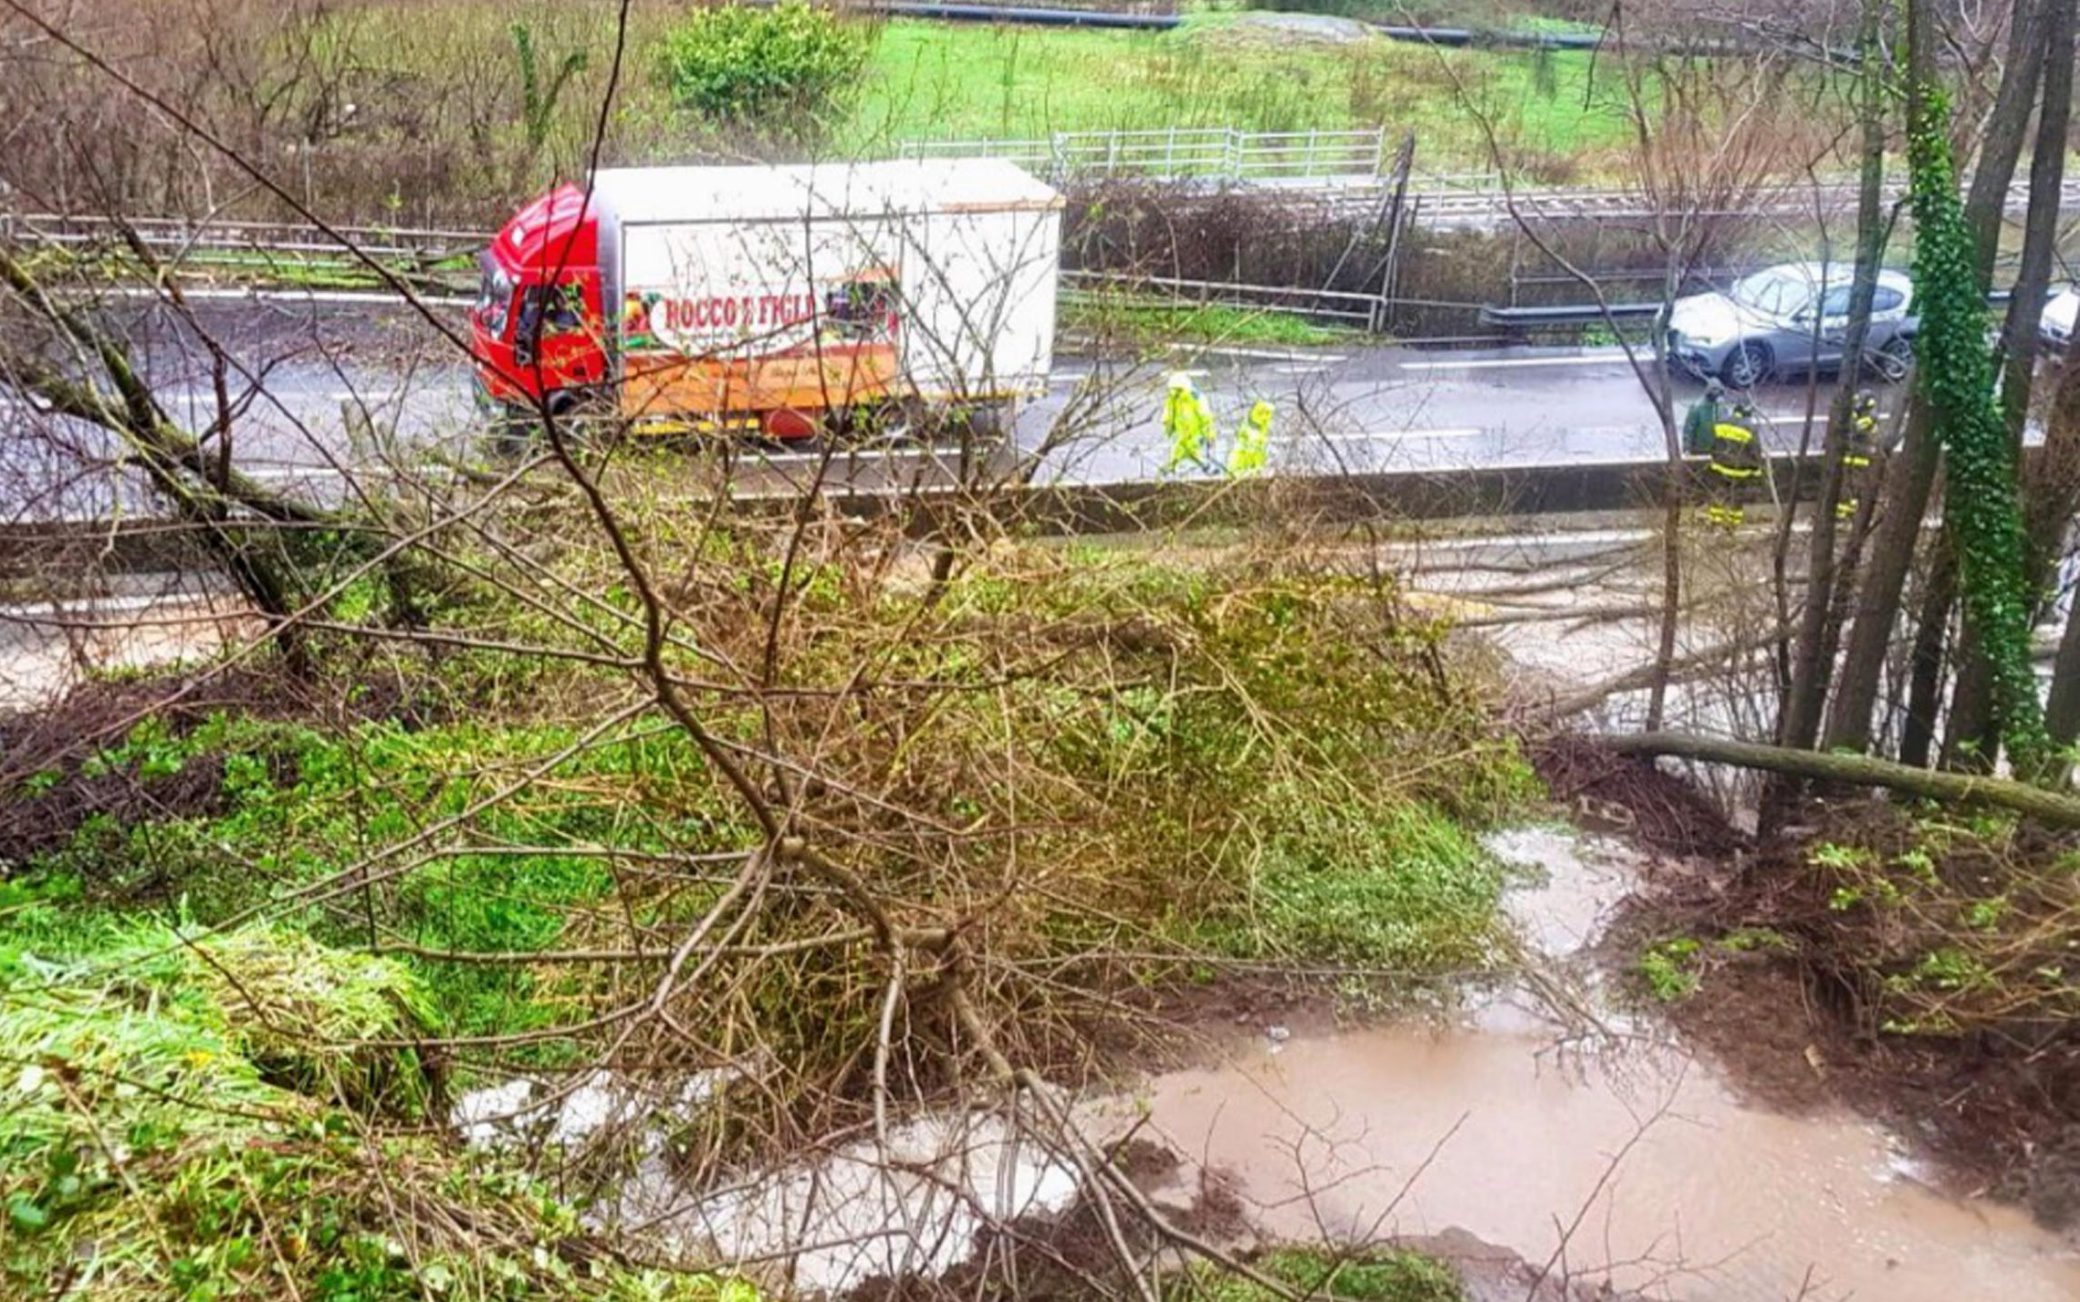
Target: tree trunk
(2060,466)
(1912,471)
(2051,807)
(1800,723)
(2000,148)
(1925,675)
(2047,172)
(1969,740)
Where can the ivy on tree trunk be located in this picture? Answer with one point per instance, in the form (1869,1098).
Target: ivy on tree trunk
(1955,370)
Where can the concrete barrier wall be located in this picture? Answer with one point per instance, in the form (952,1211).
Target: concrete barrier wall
(1558,490)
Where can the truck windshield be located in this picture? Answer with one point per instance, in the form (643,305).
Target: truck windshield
(494,294)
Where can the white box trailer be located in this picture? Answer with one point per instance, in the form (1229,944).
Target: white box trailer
(769,295)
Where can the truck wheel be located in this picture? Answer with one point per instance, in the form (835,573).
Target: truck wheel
(512,429)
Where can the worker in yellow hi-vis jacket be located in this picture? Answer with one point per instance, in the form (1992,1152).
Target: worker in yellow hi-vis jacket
(1252,442)
(1862,445)
(1189,426)
(1736,467)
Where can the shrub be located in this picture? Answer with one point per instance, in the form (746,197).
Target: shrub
(778,70)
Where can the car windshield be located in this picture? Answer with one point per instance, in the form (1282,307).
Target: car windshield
(1774,292)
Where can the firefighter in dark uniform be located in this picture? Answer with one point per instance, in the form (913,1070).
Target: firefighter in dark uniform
(1735,468)
(1857,454)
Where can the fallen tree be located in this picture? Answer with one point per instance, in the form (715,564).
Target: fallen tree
(1857,770)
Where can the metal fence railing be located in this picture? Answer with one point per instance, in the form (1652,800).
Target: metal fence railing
(1210,153)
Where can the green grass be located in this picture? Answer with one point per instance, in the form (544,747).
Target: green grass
(1391,885)
(305,804)
(1669,968)
(1156,322)
(948,81)
(1368,1276)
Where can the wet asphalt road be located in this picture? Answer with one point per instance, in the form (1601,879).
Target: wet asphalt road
(306,377)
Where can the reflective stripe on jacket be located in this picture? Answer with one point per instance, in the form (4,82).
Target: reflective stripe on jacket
(1734,451)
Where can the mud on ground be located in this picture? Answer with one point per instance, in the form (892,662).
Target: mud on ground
(48,790)
(1795,1024)
(1073,1257)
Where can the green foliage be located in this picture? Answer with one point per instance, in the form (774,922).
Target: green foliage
(1748,940)
(151,1149)
(538,99)
(1956,377)
(1124,768)
(1669,967)
(779,70)
(1672,968)
(1259,769)
(304,804)
(1150,322)
(1948,927)
(1395,886)
(1371,1276)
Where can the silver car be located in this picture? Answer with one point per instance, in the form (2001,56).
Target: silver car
(1790,318)
(2055,328)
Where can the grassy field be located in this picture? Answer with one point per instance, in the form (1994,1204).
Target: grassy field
(938,81)
(460,106)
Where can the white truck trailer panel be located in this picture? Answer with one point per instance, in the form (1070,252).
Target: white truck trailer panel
(757,289)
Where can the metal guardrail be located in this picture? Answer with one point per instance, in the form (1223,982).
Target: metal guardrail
(1442,36)
(138,541)
(1571,314)
(984,13)
(1531,318)
(1488,197)
(1367,311)
(178,235)
(1345,168)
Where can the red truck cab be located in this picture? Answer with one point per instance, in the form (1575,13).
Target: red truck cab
(537,331)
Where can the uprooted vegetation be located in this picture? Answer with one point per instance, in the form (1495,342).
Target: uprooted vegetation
(888,836)
(1933,952)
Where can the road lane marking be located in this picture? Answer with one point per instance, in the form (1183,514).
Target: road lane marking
(1467,432)
(1262,354)
(1490,363)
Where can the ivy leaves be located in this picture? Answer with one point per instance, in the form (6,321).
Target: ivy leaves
(1956,378)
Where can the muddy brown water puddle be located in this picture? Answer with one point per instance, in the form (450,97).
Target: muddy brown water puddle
(1496,1127)
(1710,1200)
(1615,1155)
